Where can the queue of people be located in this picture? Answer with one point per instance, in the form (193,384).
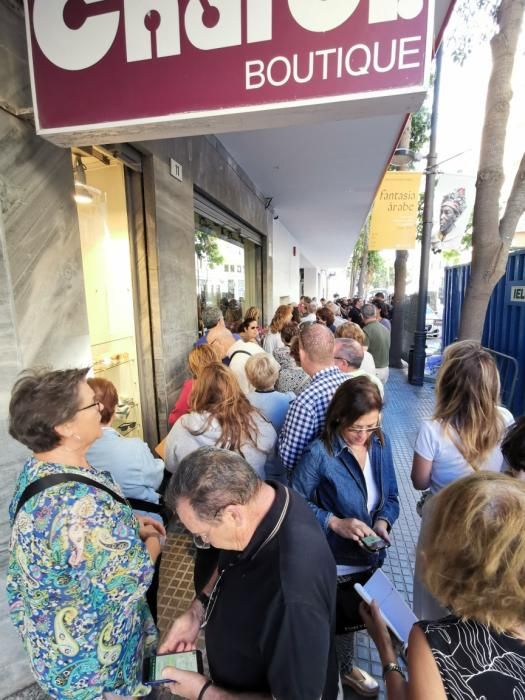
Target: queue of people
(283,489)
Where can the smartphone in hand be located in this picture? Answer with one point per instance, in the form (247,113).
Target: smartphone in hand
(374,543)
(184,661)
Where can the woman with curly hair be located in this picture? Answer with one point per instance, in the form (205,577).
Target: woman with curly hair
(273,338)
(463,436)
(221,416)
(476,569)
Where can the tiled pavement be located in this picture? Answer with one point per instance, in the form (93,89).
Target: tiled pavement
(405,407)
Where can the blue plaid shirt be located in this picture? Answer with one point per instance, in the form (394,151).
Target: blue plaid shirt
(306,416)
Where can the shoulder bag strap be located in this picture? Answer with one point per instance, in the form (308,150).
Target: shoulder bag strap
(244,352)
(46,482)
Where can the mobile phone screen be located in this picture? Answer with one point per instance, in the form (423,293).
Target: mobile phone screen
(184,661)
(374,543)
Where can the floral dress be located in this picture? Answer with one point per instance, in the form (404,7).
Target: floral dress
(76,583)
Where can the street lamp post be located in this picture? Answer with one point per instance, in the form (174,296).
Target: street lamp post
(416,369)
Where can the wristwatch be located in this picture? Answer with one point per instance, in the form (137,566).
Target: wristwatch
(203,599)
(392,667)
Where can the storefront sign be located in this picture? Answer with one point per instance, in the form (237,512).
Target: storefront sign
(515,292)
(120,65)
(394,215)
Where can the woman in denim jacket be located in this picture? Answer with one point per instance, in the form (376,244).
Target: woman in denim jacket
(348,478)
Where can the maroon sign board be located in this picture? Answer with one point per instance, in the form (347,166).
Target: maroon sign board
(136,69)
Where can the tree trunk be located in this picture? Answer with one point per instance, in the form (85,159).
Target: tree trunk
(351,288)
(363,268)
(396,344)
(491,238)
(400,281)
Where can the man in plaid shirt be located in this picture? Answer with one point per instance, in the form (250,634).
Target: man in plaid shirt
(306,416)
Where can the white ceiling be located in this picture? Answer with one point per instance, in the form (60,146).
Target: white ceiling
(322,177)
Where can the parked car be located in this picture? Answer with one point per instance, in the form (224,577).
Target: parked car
(433,323)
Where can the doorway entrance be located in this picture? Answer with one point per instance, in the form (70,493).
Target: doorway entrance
(106,235)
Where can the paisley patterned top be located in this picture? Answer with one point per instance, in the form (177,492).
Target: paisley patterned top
(78,572)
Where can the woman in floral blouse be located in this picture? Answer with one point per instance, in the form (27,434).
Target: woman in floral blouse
(80,561)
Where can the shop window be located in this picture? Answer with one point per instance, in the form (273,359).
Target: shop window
(220,252)
(104,234)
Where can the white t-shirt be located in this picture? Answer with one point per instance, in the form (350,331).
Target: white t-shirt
(272,341)
(371,503)
(448,464)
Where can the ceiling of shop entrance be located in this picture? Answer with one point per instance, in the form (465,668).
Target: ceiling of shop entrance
(322,178)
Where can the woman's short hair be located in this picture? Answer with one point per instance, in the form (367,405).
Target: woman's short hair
(294,350)
(513,446)
(351,330)
(288,331)
(41,399)
(262,370)
(106,393)
(475,556)
(325,315)
(353,399)
(200,357)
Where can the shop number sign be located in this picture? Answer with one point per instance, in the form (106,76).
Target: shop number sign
(127,63)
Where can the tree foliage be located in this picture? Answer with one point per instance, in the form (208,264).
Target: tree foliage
(207,249)
(420,129)
(474,22)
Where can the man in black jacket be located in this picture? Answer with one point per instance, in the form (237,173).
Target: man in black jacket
(269,610)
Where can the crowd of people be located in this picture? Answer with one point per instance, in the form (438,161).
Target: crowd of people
(279,467)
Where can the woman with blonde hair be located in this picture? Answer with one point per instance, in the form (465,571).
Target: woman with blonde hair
(476,569)
(463,436)
(221,416)
(198,358)
(273,339)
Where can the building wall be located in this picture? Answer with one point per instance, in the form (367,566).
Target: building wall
(285,266)
(43,317)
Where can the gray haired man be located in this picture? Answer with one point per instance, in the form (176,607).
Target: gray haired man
(267,613)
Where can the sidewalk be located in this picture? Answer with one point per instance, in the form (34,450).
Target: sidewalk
(405,407)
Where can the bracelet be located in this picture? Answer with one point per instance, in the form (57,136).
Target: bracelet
(392,667)
(204,689)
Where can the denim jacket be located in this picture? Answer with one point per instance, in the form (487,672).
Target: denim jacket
(335,485)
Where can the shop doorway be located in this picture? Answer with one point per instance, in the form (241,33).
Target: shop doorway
(106,213)
(228,261)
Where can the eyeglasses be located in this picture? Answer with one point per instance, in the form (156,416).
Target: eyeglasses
(98,404)
(342,359)
(363,430)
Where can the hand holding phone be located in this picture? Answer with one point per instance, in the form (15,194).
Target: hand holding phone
(185,661)
(374,543)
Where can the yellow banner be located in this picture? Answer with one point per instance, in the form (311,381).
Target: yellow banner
(394,214)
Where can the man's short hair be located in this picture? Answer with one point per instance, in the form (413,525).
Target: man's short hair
(212,316)
(262,370)
(317,342)
(350,350)
(368,311)
(210,479)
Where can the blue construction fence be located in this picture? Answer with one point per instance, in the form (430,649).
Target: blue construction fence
(504,330)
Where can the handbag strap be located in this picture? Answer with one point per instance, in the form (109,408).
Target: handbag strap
(45,482)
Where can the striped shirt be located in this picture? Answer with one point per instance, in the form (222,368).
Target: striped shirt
(306,417)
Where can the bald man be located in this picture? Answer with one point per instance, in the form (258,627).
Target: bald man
(306,416)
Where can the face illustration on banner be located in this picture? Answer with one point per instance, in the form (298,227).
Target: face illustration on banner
(452,207)
(208,24)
